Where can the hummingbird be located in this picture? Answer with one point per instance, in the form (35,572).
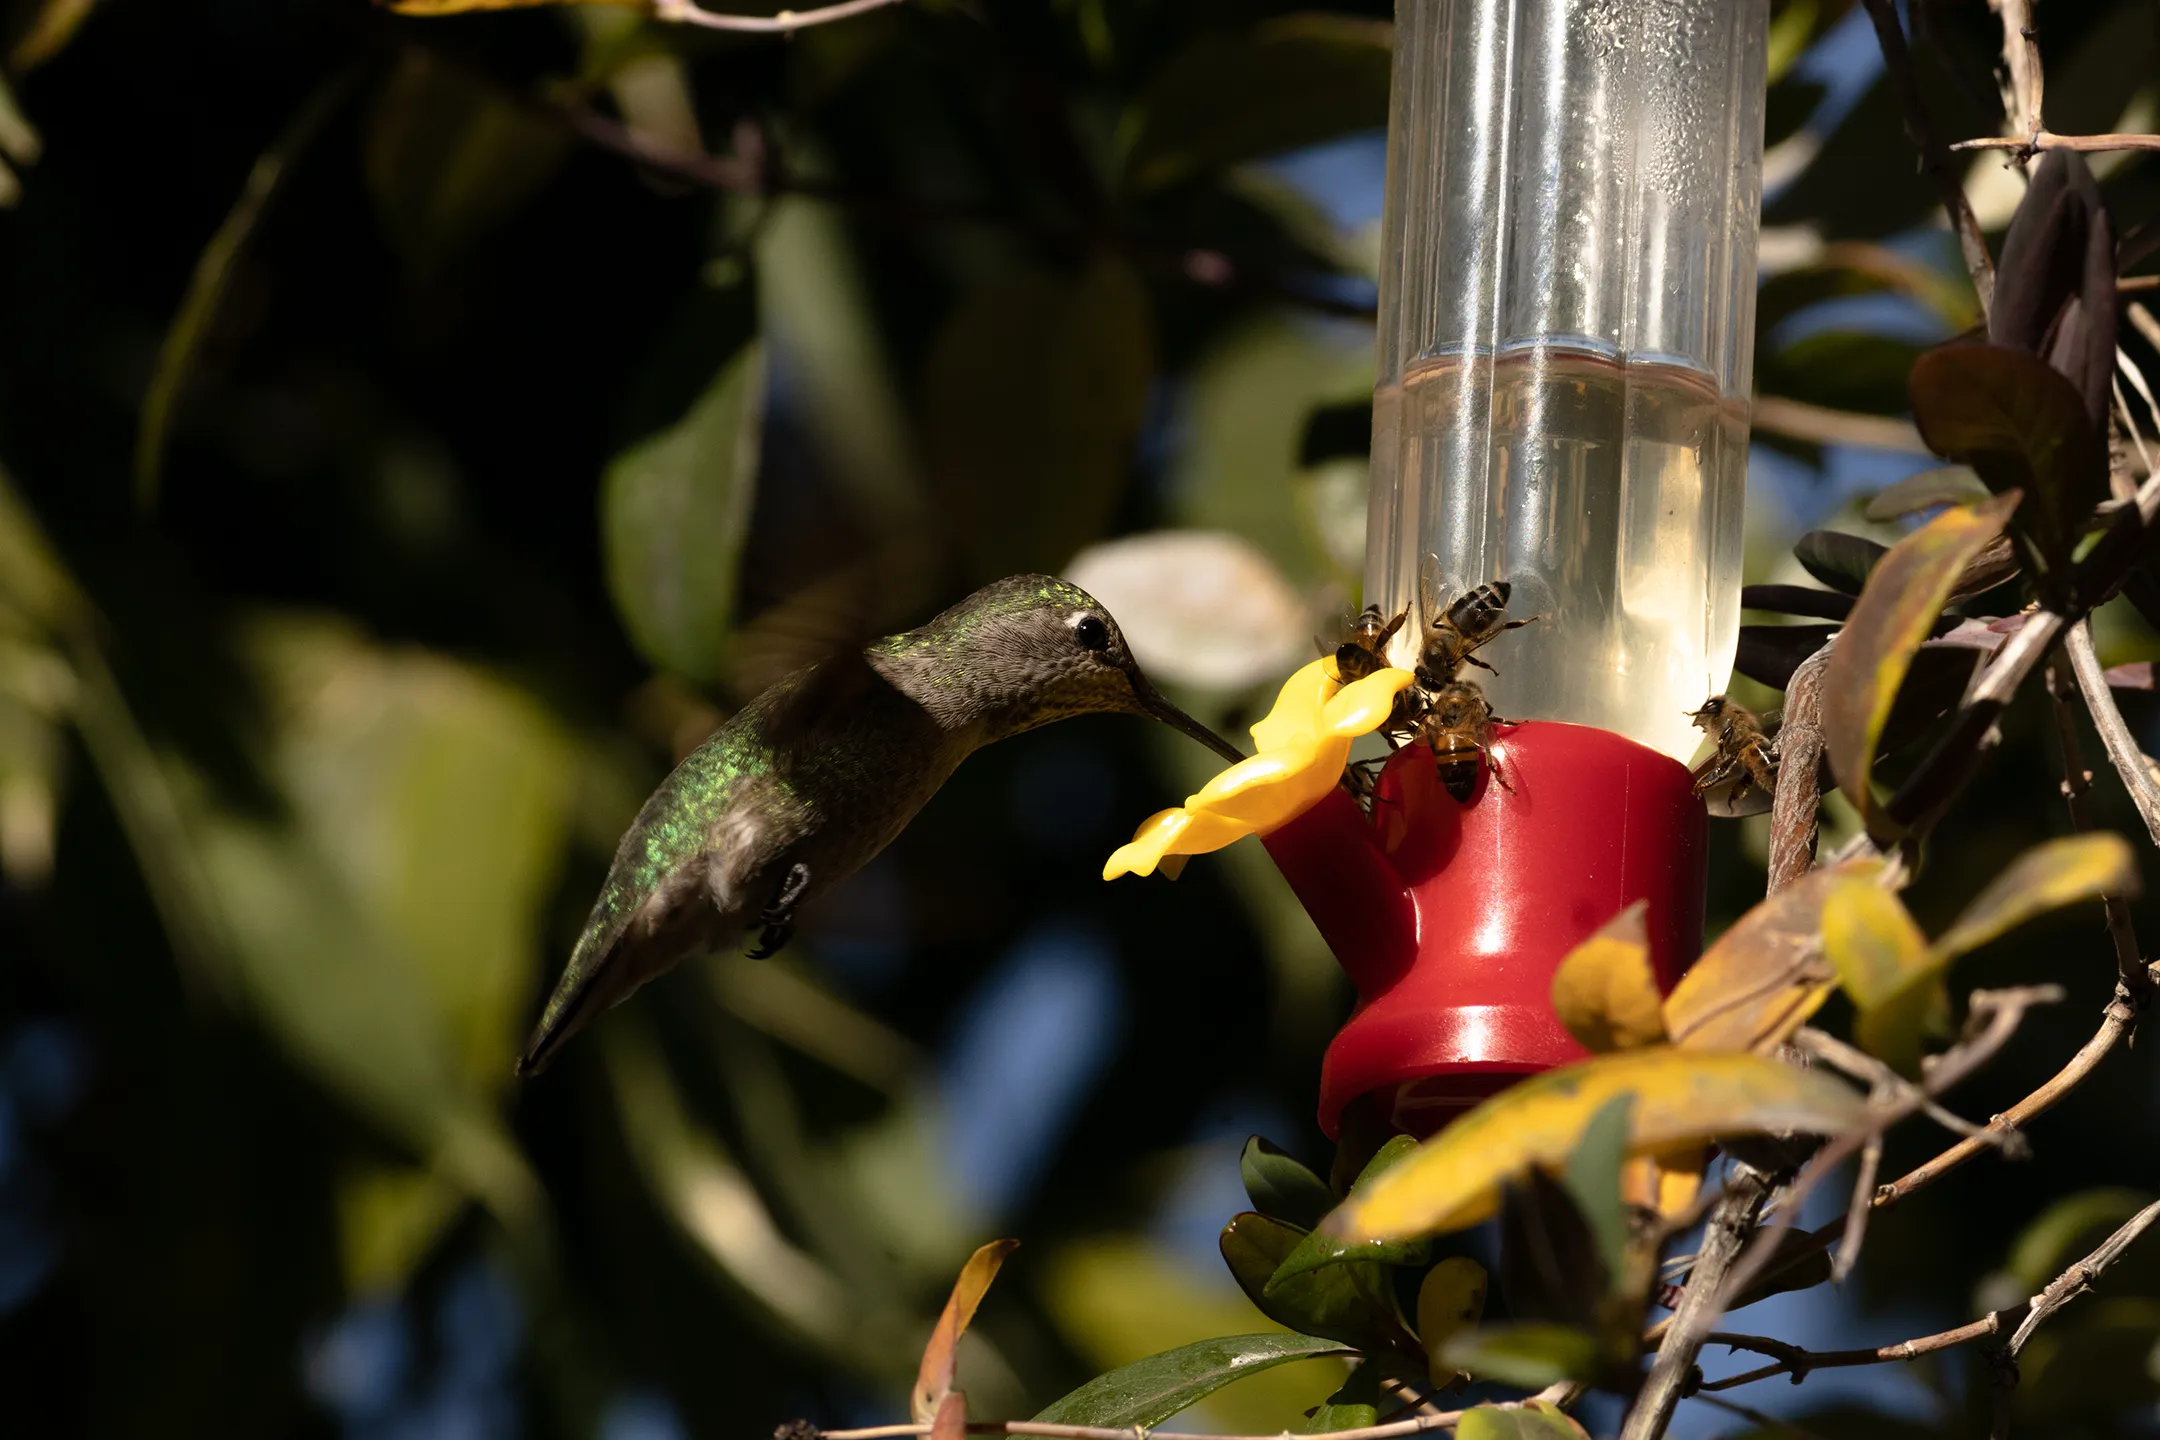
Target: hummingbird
(823,769)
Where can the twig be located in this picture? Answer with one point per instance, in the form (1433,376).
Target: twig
(2021,57)
(687,12)
(1794,809)
(2121,745)
(1797,1362)
(2038,141)
(1700,1304)
(2120,1015)
(1798,420)
(1921,128)
(1559,1394)
(2076,785)
(2079,1277)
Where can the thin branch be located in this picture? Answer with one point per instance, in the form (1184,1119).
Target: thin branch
(2121,745)
(1417,1425)
(2033,144)
(2079,1277)
(1819,424)
(2076,786)
(2120,1015)
(1795,807)
(1920,126)
(2021,58)
(1700,1304)
(687,12)
(1797,1361)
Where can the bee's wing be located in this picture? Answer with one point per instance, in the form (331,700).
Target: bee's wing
(1733,798)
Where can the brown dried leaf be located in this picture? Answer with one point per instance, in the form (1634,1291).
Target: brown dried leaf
(933,1382)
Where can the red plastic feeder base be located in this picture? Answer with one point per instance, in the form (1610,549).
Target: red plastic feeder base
(1451,918)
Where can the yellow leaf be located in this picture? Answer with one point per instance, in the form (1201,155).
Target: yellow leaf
(1667,1183)
(1454,1179)
(2046,877)
(1765,975)
(933,1382)
(1905,591)
(1884,963)
(1604,991)
(1450,1301)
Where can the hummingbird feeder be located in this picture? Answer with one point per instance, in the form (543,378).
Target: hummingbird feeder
(1567,314)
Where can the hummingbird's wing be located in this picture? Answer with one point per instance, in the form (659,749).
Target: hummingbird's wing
(697,837)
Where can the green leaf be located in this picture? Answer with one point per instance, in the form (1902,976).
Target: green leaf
(2047,877)
(1148,1392)
(2022,427)
(675,509)
(1550,1268)
(1530,1355)
(1282,85)
(1355,1405)
(1532,1420)
(2092,1361)
(1280,1187)
(1035,390)
(1451,1300)
(1840,561)
(1319,1250)
(1393,1152)
(1944,485)
(1905,592)
(1884,963)
(1592,1178)
(1351,1303)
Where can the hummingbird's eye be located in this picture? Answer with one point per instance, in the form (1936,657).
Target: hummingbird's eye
(1091,632)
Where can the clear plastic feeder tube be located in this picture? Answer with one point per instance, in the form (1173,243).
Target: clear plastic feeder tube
(1567,316)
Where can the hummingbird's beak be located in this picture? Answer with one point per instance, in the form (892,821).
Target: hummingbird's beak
(1153,703)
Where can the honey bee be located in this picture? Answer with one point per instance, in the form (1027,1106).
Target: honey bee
(1365,651)
(1746,756)
(1456,724)
(1471,620)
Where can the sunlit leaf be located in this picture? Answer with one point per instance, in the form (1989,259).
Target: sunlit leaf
(1034,392)
(1280,1187)
(49,34)
(675,510)
(1944,485)
(1884,963)
(1532,1420)
(2047,877)
(1283,84)
(1198,607)
(1319,1250)
(2022,427)
(1765,975)
(1345,1302)
(1532,1355)
(1451,1300)
(1905,593)
(1605,992)
(1454,1179)
(933,1381)
(389,1218)
(1148,1392)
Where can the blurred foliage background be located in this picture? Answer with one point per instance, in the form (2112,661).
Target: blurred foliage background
(417,433)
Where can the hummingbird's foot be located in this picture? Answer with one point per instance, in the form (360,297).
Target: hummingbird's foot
(779,917)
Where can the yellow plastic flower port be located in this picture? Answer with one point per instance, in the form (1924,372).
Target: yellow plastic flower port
(1304,744)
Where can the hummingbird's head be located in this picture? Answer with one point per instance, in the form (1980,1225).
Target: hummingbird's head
(1030,649)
